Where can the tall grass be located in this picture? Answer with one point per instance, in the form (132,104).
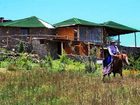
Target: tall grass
(41,87)
(63,82)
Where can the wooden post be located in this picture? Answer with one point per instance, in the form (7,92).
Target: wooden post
(118,39)
(135,39)
(78,34)
(30,38)
(104,41)
(88,48)
(62,48)
(102,35)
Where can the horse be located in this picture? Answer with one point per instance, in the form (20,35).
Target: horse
(116,66)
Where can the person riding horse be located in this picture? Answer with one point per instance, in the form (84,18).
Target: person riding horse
(113,51)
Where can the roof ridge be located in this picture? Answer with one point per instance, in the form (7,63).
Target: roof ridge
(121,24)
(31,21)
(45,23)
(77,20)
(15,21)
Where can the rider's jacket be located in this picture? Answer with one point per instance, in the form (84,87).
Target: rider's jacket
(113,50)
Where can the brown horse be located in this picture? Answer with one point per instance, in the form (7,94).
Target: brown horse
(116,67)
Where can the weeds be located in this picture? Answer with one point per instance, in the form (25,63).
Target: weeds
(62,82)
(66,88)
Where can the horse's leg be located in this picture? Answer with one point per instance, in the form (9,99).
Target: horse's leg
(109,75)
(121,75)
(103,78)
(114,74)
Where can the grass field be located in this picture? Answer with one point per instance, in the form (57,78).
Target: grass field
(40,87)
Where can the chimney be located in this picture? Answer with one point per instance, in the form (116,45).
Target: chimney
(1,19)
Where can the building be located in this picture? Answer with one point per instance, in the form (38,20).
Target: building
(31,30)
(73,36)
(81,36)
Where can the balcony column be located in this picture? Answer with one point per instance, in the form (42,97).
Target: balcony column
(62,46)
(119,40)
(135,39)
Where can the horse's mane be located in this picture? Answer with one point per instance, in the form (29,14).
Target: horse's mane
(120,58)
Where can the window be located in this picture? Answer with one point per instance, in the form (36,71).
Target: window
(42,41)
(24,31)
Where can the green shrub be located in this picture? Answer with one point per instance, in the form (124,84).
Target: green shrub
(4,64)
(62,64)
(21,47)
(134,63)
(23,62)
(46,63)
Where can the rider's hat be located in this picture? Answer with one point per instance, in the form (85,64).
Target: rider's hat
(113,41)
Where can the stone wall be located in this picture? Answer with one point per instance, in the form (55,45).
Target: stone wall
(49,47)
(17,31)
(134,51)
(11,36)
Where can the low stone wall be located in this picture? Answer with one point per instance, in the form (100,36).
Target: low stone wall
(134,51)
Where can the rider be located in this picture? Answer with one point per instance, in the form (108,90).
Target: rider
(113,50)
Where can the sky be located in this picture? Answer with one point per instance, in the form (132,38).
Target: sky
(53,11)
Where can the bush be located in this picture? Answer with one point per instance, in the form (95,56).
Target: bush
(62,64)
(21,47)
(25,62)
(134,63)
(47,62)
(4,64)
(22,62)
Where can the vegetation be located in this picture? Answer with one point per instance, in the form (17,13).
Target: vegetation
(41,87)
(134,63)
(21,47)
(28,81)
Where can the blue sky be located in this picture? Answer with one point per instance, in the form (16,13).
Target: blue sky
(122,11)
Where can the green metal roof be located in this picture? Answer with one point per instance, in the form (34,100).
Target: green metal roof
(75,21)
(114,28)
(27,22)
